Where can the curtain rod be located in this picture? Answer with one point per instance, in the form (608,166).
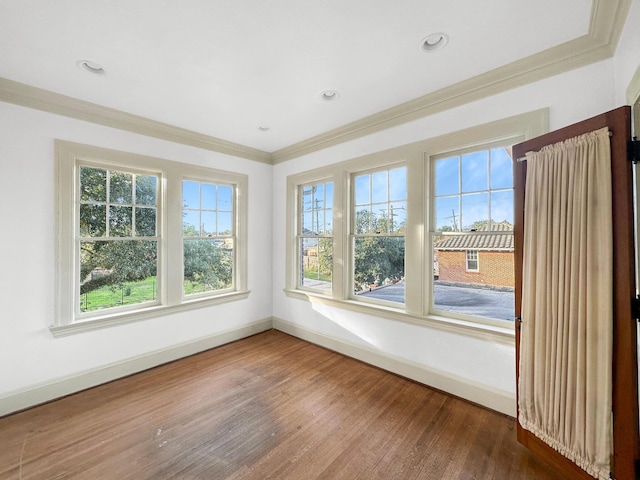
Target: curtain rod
(524,159)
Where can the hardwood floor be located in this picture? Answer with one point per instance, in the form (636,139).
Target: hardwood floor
(267,407)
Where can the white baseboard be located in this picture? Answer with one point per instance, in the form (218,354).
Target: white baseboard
(493,398)
(29,397)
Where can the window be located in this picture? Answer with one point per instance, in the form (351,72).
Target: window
(473,198)
(118,238)
(472,260)
(315,236)
(116,221)
(208,236)
(378,226)
(410,227)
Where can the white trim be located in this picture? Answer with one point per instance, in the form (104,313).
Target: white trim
(501,332)
(170,267)
(45,392)
(490,397)
(47,101)
(419,273)
(97,323)
(607,21)
(633,90)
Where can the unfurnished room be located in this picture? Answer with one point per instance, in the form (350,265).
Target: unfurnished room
(319,240)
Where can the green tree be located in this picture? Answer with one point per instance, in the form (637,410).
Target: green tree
(325,256)
(377,258)
(208,263)
(113,203)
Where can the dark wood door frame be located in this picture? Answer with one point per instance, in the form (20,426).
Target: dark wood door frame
(625,364)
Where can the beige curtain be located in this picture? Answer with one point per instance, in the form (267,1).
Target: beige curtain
(567,311)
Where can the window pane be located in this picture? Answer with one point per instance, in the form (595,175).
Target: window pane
(225,223)
(93,220)
(225,198)
(318,222)
(475,170)
(93,184)
(146,190)
(379,262)
(447,176)
(362,195)
(191,223)
(475,211)
(307,198)
(307,225)
(328,222)
(120,187)
(208,265)
(190,194)
(379,187)
(398,217)
(117,273)
(316,263)
(318,196)
(398,184)
(329,195)
(363,220)
(120,221)
(208,220)
(502,208)
(501,169)
(207,196)
(145,222)
(448,214)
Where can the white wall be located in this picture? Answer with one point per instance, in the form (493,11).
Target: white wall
(450,361)
(29,356)
(627,57)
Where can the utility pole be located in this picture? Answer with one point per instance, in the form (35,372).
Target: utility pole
(453,219)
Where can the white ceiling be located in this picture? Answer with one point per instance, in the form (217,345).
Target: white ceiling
(223,68)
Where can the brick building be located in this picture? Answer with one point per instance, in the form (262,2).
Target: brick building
(480,257)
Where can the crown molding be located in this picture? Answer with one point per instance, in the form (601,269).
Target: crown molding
(606,24)
(45,100)
(633,90)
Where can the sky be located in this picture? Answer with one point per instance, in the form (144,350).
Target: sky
(474,187)
(207,207)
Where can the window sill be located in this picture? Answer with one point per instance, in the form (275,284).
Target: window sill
(502,334)
(122,318)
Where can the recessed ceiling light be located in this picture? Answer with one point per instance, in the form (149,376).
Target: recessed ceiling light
(434,42)
(91,67)
(329,95)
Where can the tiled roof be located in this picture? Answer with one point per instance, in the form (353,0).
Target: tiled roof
(480,239)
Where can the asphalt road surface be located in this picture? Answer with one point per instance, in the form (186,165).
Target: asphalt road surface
(480,302)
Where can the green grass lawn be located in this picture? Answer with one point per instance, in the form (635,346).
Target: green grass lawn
(315,275)
(129,293)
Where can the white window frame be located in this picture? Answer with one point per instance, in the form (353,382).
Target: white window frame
(353,235)
(233,236)
(472,256)
(300,235)
(418,159)
(170,297)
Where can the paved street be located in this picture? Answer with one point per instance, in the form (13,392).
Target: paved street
(472,301)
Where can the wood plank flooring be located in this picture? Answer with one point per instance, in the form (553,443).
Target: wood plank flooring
(267,407)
